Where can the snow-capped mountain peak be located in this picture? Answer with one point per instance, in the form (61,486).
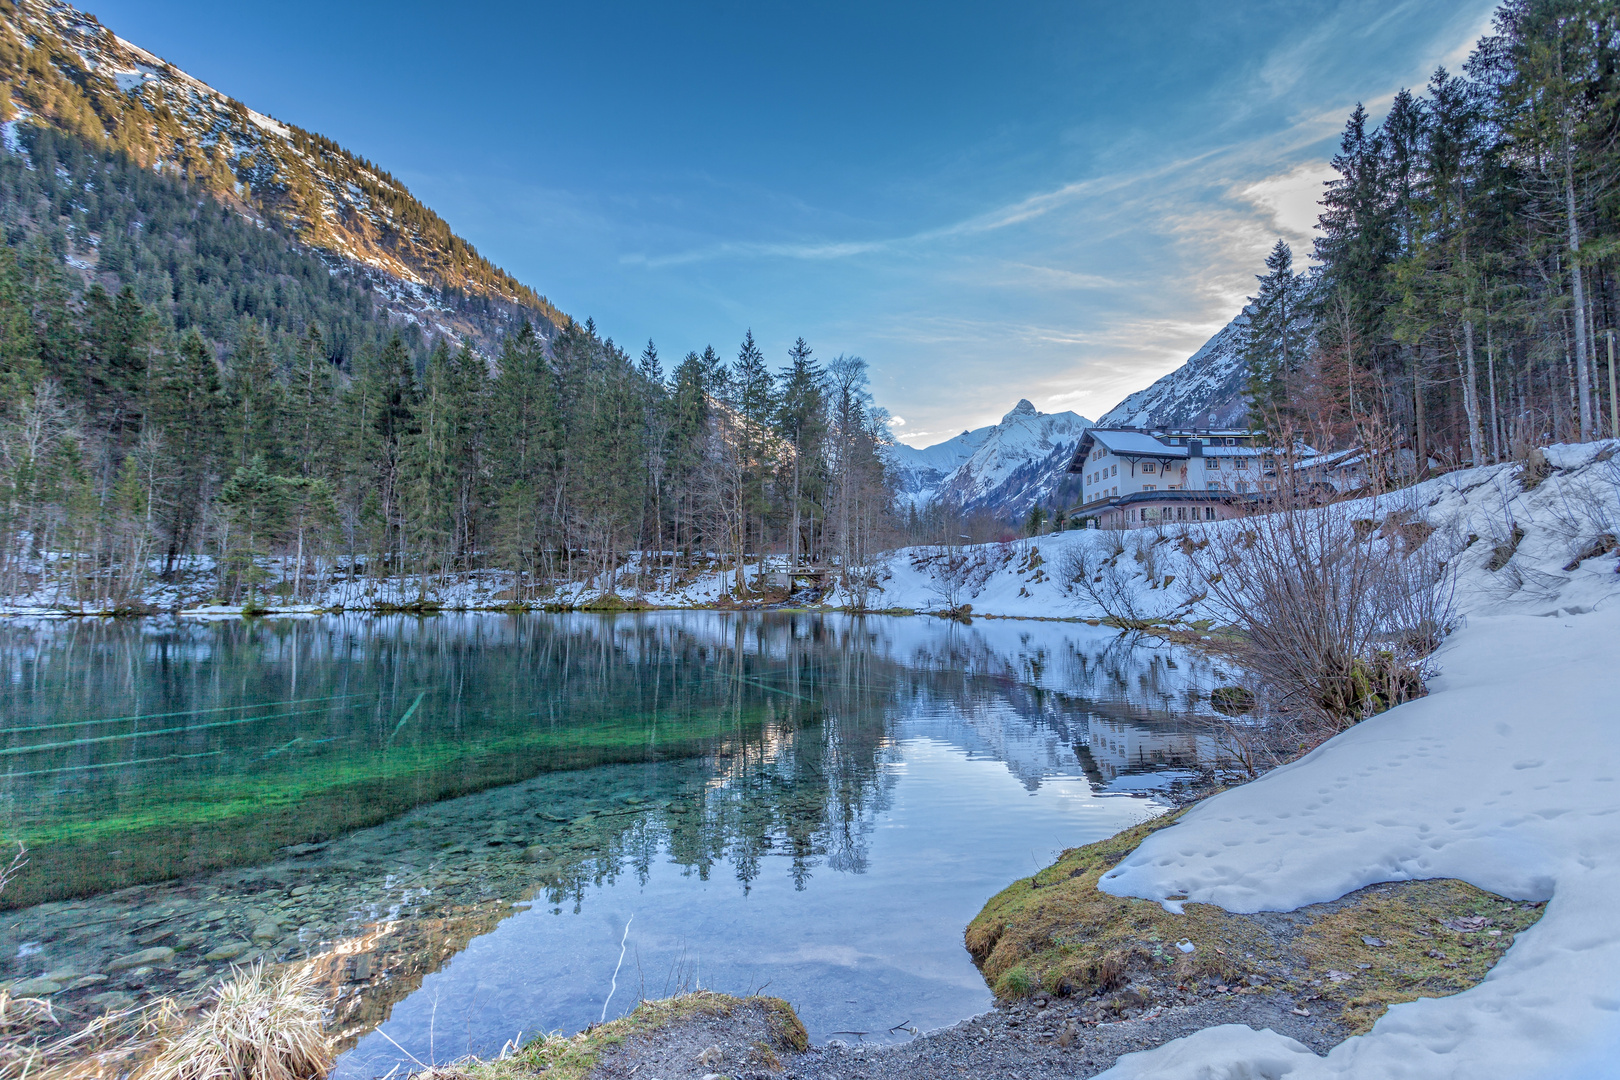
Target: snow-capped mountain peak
(1002,468)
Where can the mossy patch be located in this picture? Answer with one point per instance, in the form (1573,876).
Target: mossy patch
(1057,933)
(1072,938)
(559,1057)
(1436,938)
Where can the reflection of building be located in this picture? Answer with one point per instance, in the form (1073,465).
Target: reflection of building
(1116,747)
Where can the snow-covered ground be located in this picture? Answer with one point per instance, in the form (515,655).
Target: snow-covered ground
(1506,776)
(1473,510)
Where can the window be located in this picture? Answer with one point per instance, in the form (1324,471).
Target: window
(1209,513)
(1215,463)
(1147,466)
(1181,513)
(1150,487)
(1213,486)
(1113,470)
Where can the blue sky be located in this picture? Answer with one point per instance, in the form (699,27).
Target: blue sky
(1058,201)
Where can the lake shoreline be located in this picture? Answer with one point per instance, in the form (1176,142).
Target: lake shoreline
(1078,1030)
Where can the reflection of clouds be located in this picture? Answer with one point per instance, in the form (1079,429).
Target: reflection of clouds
(837,955)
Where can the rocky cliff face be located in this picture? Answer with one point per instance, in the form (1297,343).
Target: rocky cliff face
(1207,391)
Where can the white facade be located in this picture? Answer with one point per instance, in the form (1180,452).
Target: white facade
(1134,478)
(1119,463)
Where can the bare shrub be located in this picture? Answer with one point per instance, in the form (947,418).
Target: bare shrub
(950,570)
(1109,582)
(1586,517)
(262,1026)
(1335,625)
(1533,468)
(1144,554)
(860,582)
(1503,549)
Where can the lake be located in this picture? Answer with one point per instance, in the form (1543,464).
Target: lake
(479,827)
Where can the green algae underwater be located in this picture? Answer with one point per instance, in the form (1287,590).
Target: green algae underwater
(139,752)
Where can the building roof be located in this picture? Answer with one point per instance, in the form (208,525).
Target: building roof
(1135,444)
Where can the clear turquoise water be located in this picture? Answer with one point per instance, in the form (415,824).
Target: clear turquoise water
(481,827)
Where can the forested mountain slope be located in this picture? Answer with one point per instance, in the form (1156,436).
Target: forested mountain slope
(61,69)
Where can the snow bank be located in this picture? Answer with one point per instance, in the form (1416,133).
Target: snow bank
(1506,776)
(1476,510)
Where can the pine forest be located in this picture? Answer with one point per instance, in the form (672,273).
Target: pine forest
(1463,297)
(192,381)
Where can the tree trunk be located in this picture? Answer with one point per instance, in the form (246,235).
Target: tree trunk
(793,536)
(1490,373)
(1421,433)
(1476,439)
(1582,377)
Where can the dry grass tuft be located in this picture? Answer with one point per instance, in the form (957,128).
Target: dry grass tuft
(261,1026)
(109,1046)
(562,1057)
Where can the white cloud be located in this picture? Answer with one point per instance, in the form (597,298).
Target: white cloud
(1290,199)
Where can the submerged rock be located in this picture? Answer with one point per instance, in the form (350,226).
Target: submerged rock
(159,955)
(40,987)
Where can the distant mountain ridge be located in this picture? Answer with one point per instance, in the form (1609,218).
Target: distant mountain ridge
(61,68)
(1007,468)
(1003,468)
(1208,391)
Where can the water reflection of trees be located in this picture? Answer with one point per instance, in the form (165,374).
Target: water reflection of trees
(342,722)
(739,745)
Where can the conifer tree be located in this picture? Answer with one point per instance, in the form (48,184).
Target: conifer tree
(257,410)
(186,407)
(526,442)
(1274,340)
(801,421)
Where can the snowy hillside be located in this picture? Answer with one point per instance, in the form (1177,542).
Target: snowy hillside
(62,69)
(1005,468)
(1502,776)
(1205,392)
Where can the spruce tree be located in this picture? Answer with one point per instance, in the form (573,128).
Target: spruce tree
(186,408)
(801,420)
(1274,340)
